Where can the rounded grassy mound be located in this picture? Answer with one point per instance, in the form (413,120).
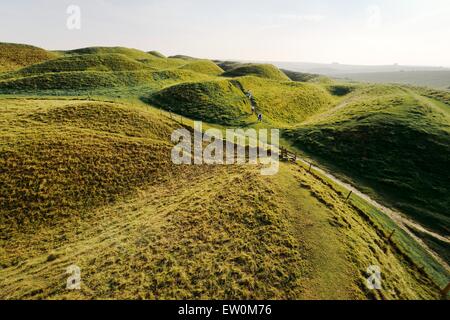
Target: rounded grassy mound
(72,156)
(212,101)
(15,56)
(286,103)
(131,53)
(87,62)
(177,76)
(203,66)
(182,57)
(302,76)
(75,80)
(267,71)
(393,142)
(151,60)
(157,54)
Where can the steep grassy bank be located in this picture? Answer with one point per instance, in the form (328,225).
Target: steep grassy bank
(392,140)
(219,101)
(284,104)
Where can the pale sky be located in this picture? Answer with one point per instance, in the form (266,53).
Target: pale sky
(372,32)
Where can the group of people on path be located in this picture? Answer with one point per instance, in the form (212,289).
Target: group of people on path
(253,103)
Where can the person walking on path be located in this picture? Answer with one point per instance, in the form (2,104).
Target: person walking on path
(260,117)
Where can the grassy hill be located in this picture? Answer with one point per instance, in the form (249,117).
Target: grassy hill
(228,65)
(219,101)
(286,103)
(87,62)
(203,66)
(91,183)
(267,71)
(392,140)
(183,57)
(151,59)
(96,69)
(157,54)
(75,80)
(301,76)
(129,52)
(87,82)
(86,178)
(50,171)
(52,78)
(15,56)
(224,101)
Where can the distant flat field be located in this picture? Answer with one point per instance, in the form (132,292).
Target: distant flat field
(436,79)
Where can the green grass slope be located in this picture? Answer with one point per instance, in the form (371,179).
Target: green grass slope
(392,140)
(267,71)
(62,158)
(15,56)
(75,80)
(440,95)
(91,183)
(87,62)
(79,82)
(157,54)
(151,59)
(228,65)
(203,66)
(219,101)
(129,52)
(301,76)
(183,57)
(286,103)
(224,101)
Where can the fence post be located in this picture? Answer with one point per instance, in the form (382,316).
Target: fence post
(349,195)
